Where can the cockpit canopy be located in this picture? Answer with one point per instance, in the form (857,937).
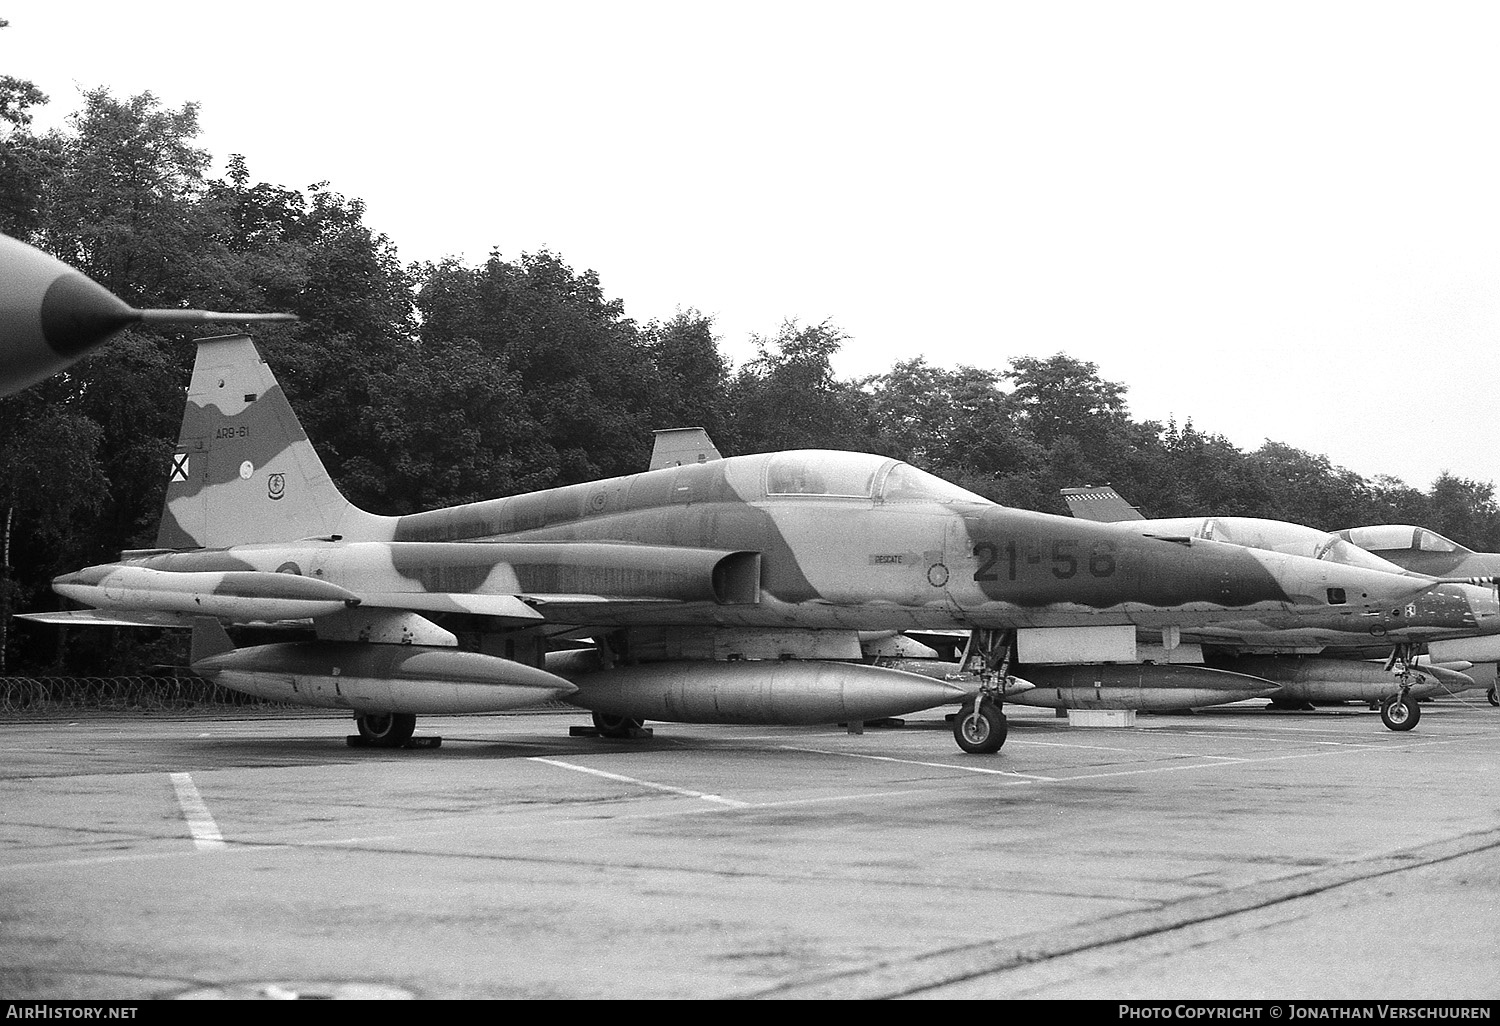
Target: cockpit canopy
(857,475)
(1400,538)
(1280,536)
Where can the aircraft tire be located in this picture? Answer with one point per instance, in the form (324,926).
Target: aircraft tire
(609,725)
(1400,713)
(981,731)
(1492,696)
(386,730)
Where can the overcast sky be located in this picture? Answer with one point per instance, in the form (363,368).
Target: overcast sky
(1276,220)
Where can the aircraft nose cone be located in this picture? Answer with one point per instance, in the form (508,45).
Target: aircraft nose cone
(49,315)
(77,314)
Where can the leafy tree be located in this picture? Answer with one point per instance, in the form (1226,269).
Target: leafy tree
(584,376)
(1393,501)
(121,208)
(788,398)
(357,324)
(46,502)
(1307,489)
(1465,510)
(957,424)
(26,162)
(450,427)
(1077,418)
(689,373)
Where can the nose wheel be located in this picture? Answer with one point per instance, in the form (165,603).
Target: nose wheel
(1400,712)
(980,726)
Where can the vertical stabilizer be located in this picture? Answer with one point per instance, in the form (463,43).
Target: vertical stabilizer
(676,446)
(1100,503)
(244,471)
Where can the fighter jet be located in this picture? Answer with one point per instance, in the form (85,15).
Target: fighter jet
(1310,659)
(51,315)
(729,590)
(1423,551)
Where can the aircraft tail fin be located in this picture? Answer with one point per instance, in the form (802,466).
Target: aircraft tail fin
(676,446)
(1101,504)
(244,470)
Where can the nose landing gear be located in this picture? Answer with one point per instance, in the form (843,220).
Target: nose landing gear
(980,726)
(1401,711)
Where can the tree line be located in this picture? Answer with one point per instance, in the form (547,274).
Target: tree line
(428,384)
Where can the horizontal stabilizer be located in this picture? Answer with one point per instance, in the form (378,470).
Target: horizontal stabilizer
(99,618)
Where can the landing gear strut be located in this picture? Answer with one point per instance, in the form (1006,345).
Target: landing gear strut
(980,726)
(1401,711)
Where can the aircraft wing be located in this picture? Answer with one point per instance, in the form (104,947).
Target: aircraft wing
(1102,504)
(521,610)
(638,578)
(508,608)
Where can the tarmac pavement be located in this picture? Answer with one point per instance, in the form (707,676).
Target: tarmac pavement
(1230,854)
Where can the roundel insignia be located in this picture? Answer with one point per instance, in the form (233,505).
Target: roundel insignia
(276,486)
(246,469)
(597,501)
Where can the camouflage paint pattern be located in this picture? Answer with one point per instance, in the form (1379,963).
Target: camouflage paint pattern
(817,539)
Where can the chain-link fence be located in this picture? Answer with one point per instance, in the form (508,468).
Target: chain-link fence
(119,694)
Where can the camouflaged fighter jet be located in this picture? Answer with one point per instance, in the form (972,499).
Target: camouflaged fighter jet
(50,315)
(1427,552)
(718,590)
(1305,658)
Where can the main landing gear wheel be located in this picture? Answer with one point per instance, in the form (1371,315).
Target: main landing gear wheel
(980,728)
(1492,696)
(1401,712)
(386,730)
(617,726)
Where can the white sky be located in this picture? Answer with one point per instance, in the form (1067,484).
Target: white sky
(1278,220)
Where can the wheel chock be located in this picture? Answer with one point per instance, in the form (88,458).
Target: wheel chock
(360,741)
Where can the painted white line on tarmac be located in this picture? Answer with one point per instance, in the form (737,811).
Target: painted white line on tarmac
(1130,751)
(205,831)
(642,783)
(917,762)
